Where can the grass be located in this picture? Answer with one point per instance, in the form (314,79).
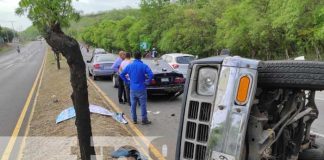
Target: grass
(5,48)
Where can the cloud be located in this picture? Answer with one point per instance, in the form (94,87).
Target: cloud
(87,6)
(8,7)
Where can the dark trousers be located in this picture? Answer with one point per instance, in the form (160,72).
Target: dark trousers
(121,90)
(127,90)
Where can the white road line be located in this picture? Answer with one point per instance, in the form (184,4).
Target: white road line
(317,134)
(10,65)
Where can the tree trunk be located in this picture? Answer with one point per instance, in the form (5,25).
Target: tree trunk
(318,54)
(57,56)
(287,54)
(70,49)
(268,54)
(253,53)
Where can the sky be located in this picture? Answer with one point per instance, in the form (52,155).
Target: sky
(8,18)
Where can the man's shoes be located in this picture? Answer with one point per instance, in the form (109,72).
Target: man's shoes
(121,102)
(146,122)
(134,122)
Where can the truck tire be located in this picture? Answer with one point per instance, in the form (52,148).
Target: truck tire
(291,74)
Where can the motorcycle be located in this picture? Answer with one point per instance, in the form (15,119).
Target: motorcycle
(244,109)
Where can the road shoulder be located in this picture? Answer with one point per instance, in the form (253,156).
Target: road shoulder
(45,138)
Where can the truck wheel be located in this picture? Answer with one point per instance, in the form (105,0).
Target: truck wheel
(291,74)
(316,153)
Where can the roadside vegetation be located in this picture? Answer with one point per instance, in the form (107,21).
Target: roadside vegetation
(6,36)
(30,34)
(265,29)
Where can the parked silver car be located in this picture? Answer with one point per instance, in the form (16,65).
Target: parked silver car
(100,65)
(179,61)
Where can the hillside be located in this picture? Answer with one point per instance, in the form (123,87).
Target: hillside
(93,19)
(87,20)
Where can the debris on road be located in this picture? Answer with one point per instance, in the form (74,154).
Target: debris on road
(100,110)
(54,98)
(172,114)
(70,113)
(119,117)
(128,152)
(65,115)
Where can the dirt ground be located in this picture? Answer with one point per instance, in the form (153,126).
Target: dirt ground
(48,140)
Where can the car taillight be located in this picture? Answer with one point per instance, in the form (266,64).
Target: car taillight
(175,66)
(96,66)
(153,81)
(179,80)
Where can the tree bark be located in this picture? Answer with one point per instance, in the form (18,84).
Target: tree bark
(70,49)
(318,54)
(253,53)
(287,54)
(57,57)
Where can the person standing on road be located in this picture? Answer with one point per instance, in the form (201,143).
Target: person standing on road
(154,53)
(121,88)
(140,75)
(18,49)
(123,65)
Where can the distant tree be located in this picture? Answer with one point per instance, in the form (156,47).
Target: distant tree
(49,16)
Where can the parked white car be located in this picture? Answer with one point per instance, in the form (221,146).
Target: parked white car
(98,51)
(179,61)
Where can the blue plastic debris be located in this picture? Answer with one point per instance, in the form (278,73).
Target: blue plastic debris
(125,152)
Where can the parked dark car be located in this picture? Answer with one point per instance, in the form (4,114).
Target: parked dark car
(100,65)
(165,81)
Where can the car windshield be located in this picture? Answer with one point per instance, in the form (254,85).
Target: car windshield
(105,57)
(100,52)
(185,59)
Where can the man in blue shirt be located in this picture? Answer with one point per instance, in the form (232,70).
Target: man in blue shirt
(121,88)
(140,75)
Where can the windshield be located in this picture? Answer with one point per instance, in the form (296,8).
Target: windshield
(105,57)
(185,59)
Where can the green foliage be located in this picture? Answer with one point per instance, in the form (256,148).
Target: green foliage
(265,29)
(31,33)
(46,13)
(7,34)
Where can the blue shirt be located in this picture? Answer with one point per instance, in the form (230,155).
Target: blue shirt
(139,75)
(116,64)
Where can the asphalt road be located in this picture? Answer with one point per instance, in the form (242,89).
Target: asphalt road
(17,75)
(164,115)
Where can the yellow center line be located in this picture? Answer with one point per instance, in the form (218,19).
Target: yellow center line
(23,143)
(13,138)
(151,147)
